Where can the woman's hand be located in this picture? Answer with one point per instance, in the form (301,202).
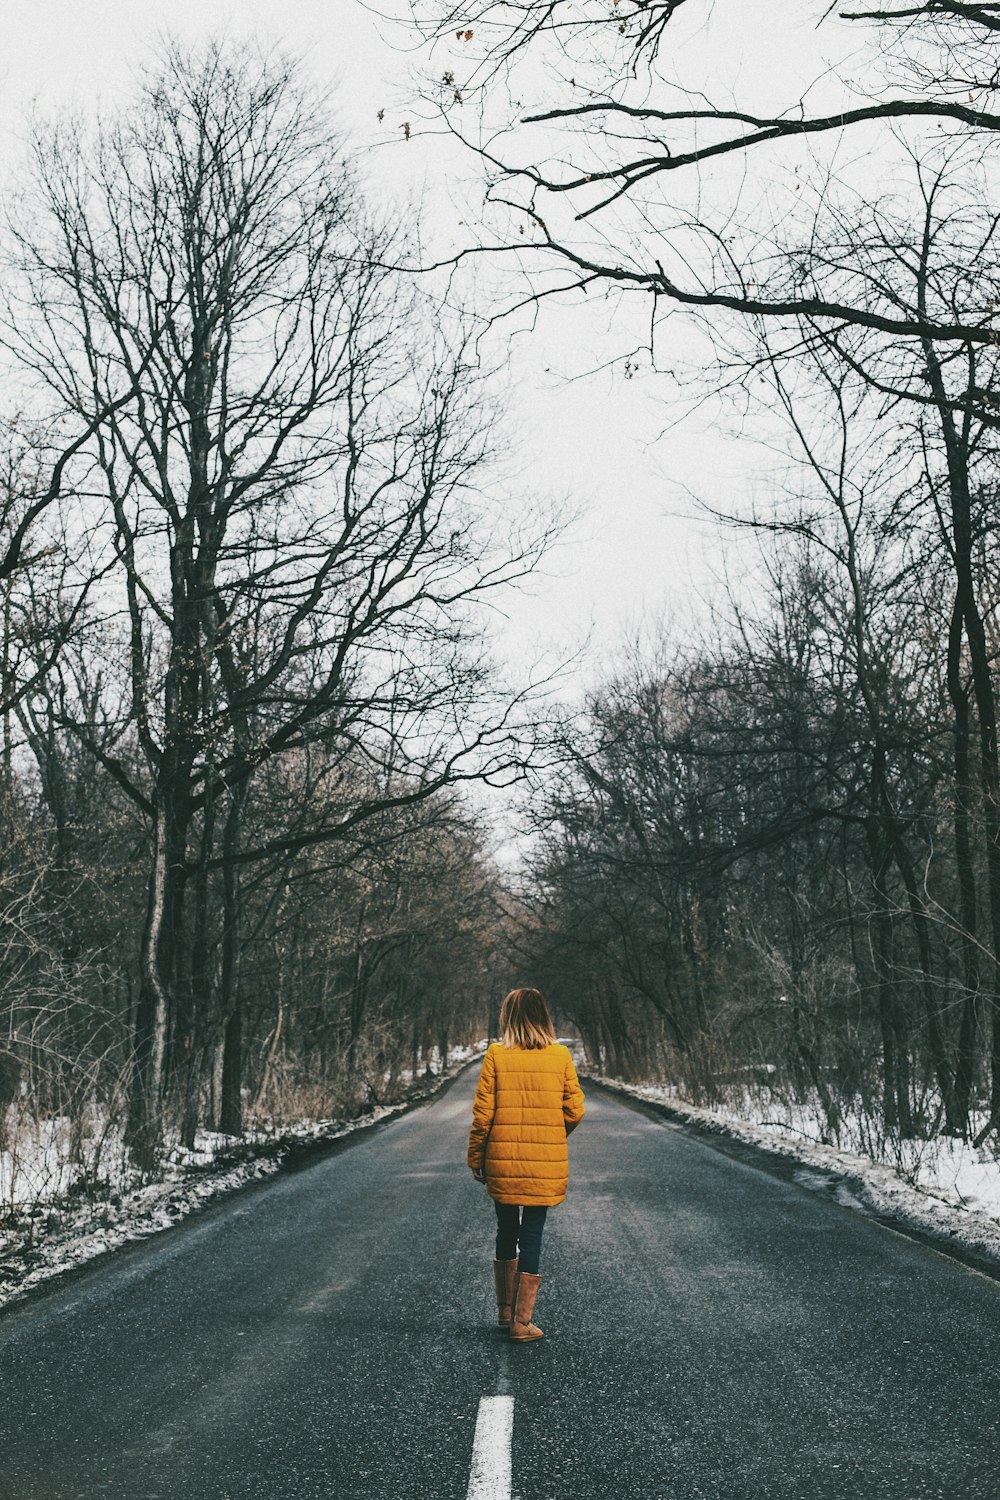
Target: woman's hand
(479,1174)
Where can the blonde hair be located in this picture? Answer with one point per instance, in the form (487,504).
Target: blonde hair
(525,1020)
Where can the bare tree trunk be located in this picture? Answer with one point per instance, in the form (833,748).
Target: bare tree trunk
(193,1016)
(145,1126)
(968,1037)
(892,824)
(231,1120)
(270,1049)
(956,444)
(895,1056)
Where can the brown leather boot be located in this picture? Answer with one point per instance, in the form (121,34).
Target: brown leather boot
(503,1280)
(522,1329)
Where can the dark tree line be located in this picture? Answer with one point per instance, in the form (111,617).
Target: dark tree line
(248,534)
(363,965)
(783,849)
(249,517)
(759,858)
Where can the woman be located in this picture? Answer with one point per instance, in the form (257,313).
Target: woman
(527,1102)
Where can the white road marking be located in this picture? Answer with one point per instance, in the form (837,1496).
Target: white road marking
(489,1477)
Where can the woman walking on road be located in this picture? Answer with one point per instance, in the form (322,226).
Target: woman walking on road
(528,1100)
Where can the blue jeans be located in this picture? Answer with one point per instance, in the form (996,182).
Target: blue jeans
(527,1232)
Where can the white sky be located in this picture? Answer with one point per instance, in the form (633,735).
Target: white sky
(639,551)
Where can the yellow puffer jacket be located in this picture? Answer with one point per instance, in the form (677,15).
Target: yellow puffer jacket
(527,1102)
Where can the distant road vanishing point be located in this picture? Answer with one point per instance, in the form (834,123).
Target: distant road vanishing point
(712,1333)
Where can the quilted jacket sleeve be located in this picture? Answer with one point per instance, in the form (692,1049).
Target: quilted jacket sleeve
(573,1105)
(483,1109)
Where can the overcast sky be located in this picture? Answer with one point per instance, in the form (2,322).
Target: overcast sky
(639,550)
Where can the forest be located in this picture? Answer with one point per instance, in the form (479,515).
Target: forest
(247,528)
(256,742)
(769,861)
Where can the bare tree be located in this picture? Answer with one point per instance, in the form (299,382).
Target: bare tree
(289,496)
(764,229)
(586,169)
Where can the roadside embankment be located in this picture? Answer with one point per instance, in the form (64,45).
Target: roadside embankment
(50,1235)
(944,1191)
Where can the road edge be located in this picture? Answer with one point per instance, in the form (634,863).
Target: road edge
(213,1190)
(979,1250)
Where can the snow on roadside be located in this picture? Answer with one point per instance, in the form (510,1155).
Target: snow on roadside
(950,1189)
(57,1234)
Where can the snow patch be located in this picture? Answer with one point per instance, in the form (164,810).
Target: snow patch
(944,1186)
(47,1227)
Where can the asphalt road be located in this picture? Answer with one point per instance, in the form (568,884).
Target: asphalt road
(712,1333)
